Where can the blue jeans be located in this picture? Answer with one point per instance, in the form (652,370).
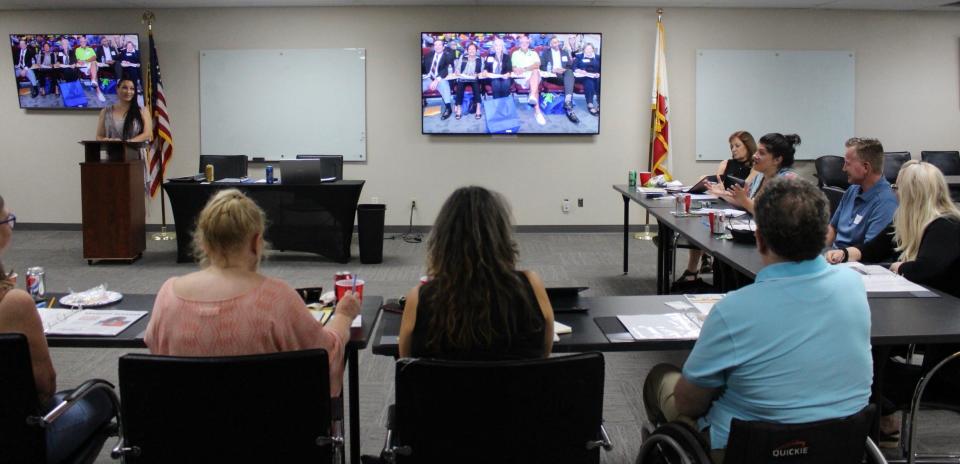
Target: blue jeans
(71,430)
(31,76)
(443,87)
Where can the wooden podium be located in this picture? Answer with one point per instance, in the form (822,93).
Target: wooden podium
(111,187)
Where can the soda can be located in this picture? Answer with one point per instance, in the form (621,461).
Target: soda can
(686,203)
(36,282)
(208,172)
(712,220)
(678,204)
(632,178)
(269,174)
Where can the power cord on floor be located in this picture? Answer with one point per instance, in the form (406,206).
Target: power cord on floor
(409,236)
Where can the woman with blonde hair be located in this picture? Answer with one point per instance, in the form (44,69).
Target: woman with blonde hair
(924,239)
(228,308)
(476,305)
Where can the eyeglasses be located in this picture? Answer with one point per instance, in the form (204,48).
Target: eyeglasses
(11,218)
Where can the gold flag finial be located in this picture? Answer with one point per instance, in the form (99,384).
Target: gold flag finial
(659,14)
(148,18)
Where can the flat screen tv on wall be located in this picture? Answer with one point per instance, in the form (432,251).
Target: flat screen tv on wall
(510,83)
(73,71)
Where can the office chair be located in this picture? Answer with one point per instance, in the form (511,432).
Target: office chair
(259,408)
(330,165)
(22,436)
(830,172)
(908,430)
(543,410)
(834,195)
(835,441)
(225,166)
(892,162)
(948,162)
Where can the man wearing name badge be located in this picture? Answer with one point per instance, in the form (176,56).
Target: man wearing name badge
(559,62)
(435,66)
(23,61)
(526,70)
(867,206)
(793,347)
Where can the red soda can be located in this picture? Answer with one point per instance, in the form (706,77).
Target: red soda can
(686,203)
(712,217)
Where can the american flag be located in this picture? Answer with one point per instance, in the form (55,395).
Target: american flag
(162,146)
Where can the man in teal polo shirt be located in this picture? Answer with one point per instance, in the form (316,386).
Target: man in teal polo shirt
(793,347)
(867,207)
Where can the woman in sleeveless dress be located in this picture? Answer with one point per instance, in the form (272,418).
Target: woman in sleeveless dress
(125,120)
(476,305)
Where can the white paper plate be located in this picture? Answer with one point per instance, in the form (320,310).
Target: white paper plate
(91,301)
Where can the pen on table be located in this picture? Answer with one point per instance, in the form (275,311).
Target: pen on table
(53,301)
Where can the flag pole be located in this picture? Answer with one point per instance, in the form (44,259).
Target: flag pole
(148,18)
(647,233)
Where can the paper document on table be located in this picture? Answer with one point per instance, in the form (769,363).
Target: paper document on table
(730,213)
(878,279)
(704,301)
(652,190)
(324,315)
(671,326)
(102,322)
(559,329)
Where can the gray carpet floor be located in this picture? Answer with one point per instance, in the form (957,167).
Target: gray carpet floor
(593,260)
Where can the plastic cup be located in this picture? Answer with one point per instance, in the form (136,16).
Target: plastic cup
(347,284)
(644,177)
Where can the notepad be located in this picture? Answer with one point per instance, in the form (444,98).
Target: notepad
(878,279)
(670,326)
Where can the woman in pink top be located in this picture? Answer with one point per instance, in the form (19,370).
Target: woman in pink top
(228,308)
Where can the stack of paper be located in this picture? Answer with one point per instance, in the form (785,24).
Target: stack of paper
(671,326)
(101,322)
(878,279)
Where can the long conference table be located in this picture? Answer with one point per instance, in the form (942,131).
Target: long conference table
(315,218)
(132,337)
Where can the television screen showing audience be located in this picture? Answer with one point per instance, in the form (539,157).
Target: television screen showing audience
(74,70)
(510,83)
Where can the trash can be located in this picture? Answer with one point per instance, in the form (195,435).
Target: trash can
(370,230)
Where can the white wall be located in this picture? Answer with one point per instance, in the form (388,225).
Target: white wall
(908,95)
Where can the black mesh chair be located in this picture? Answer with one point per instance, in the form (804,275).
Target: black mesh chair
(949,164)
(330,165)
(892,162)
(545,410)
(225,166)
(258,408)
(834,195)
(909,426)
(22,436)
(835,441)
(830,171)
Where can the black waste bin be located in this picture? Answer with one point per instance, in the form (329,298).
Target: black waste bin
(370,230)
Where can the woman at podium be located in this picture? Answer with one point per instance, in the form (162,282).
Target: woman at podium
(125,120)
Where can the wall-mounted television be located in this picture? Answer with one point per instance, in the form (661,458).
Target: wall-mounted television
(510,83)
(73,71)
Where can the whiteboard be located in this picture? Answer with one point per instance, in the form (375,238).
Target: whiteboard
(804,92)
(275,104)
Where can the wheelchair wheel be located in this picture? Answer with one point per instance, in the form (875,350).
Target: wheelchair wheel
(673,443)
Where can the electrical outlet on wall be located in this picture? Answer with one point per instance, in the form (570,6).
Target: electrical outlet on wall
(565,206)
(579,202)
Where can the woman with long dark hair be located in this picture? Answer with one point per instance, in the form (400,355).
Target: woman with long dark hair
(476,305)
(125,120)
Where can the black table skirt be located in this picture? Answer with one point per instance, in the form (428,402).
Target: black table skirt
(312,218)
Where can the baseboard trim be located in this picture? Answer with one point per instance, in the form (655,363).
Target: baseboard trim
(552,229)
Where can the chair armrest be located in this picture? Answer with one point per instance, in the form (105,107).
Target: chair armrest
(80,392)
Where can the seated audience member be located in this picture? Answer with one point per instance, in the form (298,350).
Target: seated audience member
(468,69)
(793,347)
(526,71)
(23,66)
(740,165)
(435,66)
(559,62)
(125,120)
(108,57)
(130,64)
(498,68)
(868,205)
(476,305)
(587,70)
(228,308)
(87,63)
(67,62)
(44,67)
(773,158)
(18,314)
